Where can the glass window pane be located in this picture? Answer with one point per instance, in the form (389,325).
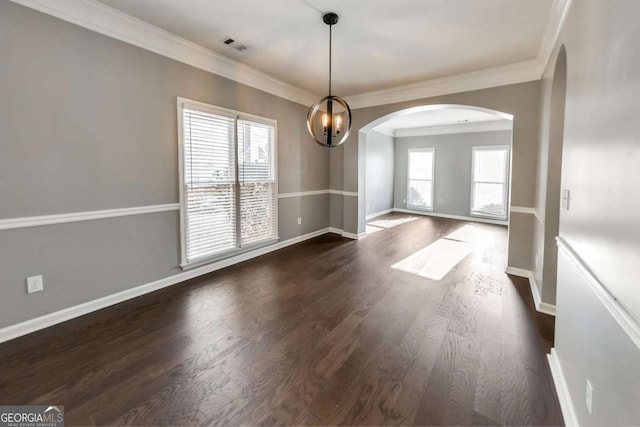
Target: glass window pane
(490,165)
(420,194)
(489,199)
(420,164)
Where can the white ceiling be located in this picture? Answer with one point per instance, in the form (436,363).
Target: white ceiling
(442,117)
(377,43)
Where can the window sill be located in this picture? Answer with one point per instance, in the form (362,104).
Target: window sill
(229,254)
(485,216)
(419,208)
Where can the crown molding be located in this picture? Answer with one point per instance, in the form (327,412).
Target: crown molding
(519,72)
(557,18)
(488,126)
(108,21)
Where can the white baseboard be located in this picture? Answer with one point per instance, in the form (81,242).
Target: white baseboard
(377,214)
(520,272)
(568,411)
(459,217)
(541,307)
(346,234)
(42,322)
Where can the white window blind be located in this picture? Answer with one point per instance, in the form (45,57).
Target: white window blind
(489,181)
(257,181)
(228,191)
(420,178)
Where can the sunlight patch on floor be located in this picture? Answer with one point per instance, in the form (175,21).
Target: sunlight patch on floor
(471,234)
(370,229)
(435,260)
(381,224)
(389,223)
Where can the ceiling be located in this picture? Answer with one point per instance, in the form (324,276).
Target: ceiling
(378,44)
(438,117)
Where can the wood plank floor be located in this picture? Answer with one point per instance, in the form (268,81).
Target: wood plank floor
(321,333)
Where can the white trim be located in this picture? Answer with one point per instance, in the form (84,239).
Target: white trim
(316,192)
(302,194)
(431,150)
(488,126)
(459,217)
(377,214)
(547,308)
(346,234)
(236,116)
(519,72)
(33,325)
(36,221)
(506,183)
(344,193)
(557,18)
(353,236)
(562,390)
(105,20)
(522,209)
(384,132)
(113,23)
(541,307)
(526,210)
(617,311)
(520,272)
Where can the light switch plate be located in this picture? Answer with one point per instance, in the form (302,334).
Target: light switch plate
(589,397)
(566,198)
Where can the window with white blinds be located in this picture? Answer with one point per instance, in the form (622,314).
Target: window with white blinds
(420,178)
(228,181)
(489,182)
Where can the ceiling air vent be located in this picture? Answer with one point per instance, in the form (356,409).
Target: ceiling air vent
(234,44)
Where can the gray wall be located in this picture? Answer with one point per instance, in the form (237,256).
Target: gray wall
(453,163)
(598,325)
(379,165)
(519,100)
(89,123)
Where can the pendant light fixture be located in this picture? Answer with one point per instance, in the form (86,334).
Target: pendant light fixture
(329,119)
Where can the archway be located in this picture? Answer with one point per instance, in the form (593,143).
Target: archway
(554,173)
(489,117)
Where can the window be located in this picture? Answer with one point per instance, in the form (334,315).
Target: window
(420,179)
(228,188)
(489,181)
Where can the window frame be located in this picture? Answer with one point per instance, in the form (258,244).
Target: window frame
(433,178)
(236,115)
(505,193)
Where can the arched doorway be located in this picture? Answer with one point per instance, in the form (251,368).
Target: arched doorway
(446,118)
(554,173)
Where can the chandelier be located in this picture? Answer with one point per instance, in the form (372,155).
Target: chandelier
(329,119)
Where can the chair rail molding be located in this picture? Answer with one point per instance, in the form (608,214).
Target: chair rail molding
(36,221)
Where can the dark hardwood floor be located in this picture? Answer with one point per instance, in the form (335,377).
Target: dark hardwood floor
(324,332)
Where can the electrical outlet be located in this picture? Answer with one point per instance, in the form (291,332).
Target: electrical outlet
(299,220)
(589,397)
(35,284)
(404,201)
